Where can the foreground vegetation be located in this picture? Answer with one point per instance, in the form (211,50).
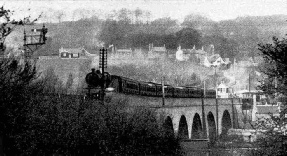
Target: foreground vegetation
(36,120)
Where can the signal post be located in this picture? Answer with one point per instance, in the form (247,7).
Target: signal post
(103,63)
(33,42)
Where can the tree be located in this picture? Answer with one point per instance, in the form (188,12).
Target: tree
(138,13)
(68,125)
(59,15)
(80,14)
(124,15)
(188,37)
(161,26)
(147,15)
(227,48)
(16,84)
(69,83)
(273,140)
(110,33)
(196,21)
(51,82)
(7,25)
(275,67)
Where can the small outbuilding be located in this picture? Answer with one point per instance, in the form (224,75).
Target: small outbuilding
(223,91)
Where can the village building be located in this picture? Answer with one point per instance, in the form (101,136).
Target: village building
(256,105)
(157,52)
(120,53)
(193,55)
(215,61)
(182,54)
(74,53)
(123,52)
(198,55)
(223,91)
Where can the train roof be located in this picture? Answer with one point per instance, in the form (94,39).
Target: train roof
(159,84)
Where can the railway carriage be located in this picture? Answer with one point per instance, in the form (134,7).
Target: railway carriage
(169,91)
(210,94)
(148,89)
(129,86)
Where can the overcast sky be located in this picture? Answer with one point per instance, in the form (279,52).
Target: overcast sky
(176,9)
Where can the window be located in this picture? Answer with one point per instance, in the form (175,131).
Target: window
(219,90)
(75,55)
(257,97)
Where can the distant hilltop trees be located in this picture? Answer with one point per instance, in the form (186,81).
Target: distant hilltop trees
(127,29)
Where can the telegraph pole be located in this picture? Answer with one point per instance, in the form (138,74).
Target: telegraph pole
(204,90)
(163,94)
(103,64)
(215,79)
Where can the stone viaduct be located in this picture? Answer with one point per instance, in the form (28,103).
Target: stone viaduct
(193,118)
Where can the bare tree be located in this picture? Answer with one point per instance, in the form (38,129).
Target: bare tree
(59,15)
(81,14)
(147,15)
(138,13)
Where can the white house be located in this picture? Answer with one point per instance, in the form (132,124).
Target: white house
(73,52)
(181,55)
(223,91)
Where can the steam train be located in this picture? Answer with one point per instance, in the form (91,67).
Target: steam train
(128,86)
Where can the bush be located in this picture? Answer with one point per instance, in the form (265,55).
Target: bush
(71,126)
(18,86)
(39,120)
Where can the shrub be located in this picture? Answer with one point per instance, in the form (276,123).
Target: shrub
(72,126)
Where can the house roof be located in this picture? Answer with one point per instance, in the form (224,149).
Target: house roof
(201,52)
(159,49)
(222,85)
(124,50)
(186,51)
(193,51)
(213,58)
(73,50)
(226,60)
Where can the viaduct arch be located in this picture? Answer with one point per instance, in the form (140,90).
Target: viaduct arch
(211,127)
(168,126)
(182,128)
(193,118)
(192,122)
(196,132)
(226,123)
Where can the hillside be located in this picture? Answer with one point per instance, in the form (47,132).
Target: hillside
(82,33)
(85,32)
(134,67)
(242,34)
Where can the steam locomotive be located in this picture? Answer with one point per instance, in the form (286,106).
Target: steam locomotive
(129,86)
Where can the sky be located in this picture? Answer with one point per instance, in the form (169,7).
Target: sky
(177,9)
